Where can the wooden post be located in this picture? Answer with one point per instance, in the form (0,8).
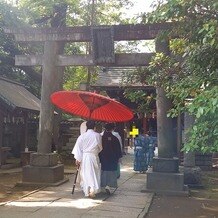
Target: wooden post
(1,135)
(24,141)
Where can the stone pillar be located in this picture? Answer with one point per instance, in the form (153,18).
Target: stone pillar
(165,177)
(49,74)
(166,134)
(192,173)
(44,168)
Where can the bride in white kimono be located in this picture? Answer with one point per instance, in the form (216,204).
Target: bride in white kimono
(86,150)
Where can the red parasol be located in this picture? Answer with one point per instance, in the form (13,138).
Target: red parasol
(91,105)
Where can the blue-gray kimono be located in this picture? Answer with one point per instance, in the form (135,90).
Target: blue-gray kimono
(141,147)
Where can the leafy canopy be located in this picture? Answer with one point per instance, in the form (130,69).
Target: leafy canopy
(191,71)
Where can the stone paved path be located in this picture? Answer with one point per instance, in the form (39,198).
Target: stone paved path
(56,202)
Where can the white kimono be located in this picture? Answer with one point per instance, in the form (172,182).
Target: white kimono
(86,150)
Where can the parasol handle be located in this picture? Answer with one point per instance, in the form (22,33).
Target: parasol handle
(74,184)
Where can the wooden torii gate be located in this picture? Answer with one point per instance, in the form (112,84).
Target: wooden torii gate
(102,38)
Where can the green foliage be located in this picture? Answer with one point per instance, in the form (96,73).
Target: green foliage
(87,12)
(145,100)
(106,12)
(73,76)
(10,18)
(197,75)
(191,71)
(42,13)
(204,134)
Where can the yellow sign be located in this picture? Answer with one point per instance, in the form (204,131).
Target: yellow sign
(134,132)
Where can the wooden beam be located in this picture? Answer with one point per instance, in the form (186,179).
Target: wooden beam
(83,33)
(137,59)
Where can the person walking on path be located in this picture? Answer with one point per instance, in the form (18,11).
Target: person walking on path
(141,148)
(109,157)
(152,142)
(115,133)
(86,150)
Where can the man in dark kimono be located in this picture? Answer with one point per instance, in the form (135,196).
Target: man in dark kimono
(109,157)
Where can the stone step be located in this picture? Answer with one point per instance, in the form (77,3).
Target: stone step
(72,140)
(67,149)
(69,144)
(75,133)
(72,128)
(77,123)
